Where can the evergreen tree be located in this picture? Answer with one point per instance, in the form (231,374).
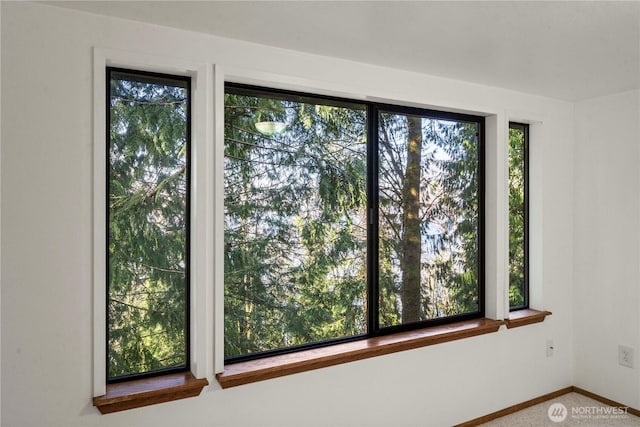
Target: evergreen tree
(295,224)
(516,216)
(147,230)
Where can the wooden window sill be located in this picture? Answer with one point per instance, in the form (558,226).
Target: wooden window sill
(149,391)
(524,317)
(277,366)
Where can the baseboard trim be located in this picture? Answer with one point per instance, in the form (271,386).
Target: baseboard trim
(520,406)
(605,400)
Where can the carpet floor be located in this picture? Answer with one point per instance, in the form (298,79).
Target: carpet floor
(571,409)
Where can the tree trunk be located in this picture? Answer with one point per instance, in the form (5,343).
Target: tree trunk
(411,244)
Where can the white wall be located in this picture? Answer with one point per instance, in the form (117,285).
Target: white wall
(0,215)
(607,245)
(46,245)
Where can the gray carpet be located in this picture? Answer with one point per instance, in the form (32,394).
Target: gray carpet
(577,410)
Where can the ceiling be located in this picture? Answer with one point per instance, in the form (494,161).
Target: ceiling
(565,50)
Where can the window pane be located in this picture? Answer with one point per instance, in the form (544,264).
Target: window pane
(147,224)
(428,218)
(517,216)
(295,221)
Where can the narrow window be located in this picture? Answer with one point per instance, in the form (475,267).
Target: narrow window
(148,125)
(518,216)
(429,217)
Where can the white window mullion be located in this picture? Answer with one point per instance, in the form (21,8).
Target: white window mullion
(202,226)
(217,172)
(496,218)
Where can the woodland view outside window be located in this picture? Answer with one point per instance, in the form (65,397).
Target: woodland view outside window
(518,216)
(148,139)
(346,219)
(429,217)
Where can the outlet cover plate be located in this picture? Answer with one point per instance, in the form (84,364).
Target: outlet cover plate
(550,348)
(625,356)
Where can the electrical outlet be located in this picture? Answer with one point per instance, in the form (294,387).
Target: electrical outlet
(549,348)
(625,356)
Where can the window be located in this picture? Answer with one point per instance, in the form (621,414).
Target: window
(518,216)
(430,217)
(148,192)
(295,221)
(346,219)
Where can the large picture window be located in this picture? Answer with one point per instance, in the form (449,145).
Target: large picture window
(148,134)
(346,219)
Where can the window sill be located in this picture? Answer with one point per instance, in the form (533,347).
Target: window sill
(524,317)
(277,366)
(149,391)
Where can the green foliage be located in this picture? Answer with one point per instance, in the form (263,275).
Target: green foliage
(147,228)
(295,218)
(448,217)
(295,222)
(516,217)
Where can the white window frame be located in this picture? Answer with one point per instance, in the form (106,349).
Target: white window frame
(207,210)
(203,269)
(535,201)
